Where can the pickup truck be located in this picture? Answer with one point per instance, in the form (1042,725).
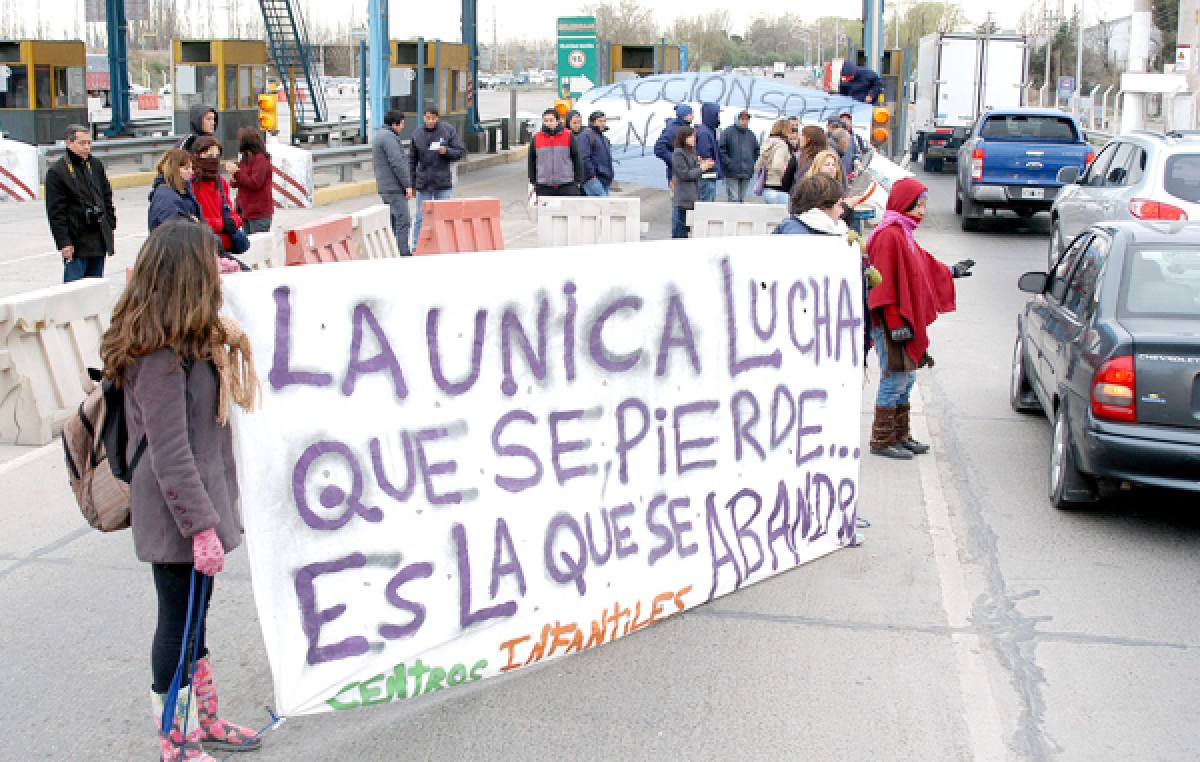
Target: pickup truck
(1011,159)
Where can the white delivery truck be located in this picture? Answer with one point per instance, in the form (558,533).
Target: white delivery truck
(960,76)
(780,69)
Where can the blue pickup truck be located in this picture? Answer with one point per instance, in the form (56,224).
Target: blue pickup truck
(1011,159)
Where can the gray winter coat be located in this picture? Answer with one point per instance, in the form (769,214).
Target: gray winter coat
(685,169)
(391,165)
(186,481)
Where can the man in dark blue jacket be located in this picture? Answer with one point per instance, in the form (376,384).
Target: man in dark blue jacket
(860,83)
(739,152)
(664,147)
(433,148)
(597,156)
(706,148)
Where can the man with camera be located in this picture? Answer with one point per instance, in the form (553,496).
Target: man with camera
(79,206)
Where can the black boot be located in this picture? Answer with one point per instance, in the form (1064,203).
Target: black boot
(903,435)
(883,435)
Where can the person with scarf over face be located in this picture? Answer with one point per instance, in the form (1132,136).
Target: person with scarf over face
(915,288)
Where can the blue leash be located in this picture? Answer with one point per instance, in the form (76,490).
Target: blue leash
(168,716)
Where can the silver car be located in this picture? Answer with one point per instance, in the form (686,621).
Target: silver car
(1143,175)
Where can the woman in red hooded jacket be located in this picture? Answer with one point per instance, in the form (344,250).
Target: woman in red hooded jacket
(212,190)
(915,288)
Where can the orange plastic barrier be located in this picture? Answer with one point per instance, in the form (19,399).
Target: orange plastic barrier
(461,224)
(330,239)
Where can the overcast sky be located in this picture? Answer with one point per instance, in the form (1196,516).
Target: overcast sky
(534,19)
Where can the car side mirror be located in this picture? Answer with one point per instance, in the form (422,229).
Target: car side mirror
(1033,283)
(1068,175)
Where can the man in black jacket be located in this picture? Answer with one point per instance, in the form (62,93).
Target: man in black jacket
(433,148)
(79,207)
(739,151)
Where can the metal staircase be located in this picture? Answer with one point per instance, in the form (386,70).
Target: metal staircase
(287,41)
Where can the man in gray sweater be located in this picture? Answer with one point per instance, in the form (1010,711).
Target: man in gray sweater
(392,178)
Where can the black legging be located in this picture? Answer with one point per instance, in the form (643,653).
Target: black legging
(172,582)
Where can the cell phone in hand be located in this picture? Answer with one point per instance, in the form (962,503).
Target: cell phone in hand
(435,145)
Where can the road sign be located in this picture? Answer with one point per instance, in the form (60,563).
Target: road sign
(1066,87)
(577,69)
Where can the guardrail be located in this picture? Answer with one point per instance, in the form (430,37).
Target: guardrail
(331,133)
(139,128)
(345,159)
(145,151)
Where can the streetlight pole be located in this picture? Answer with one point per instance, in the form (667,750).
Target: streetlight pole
(1078,56)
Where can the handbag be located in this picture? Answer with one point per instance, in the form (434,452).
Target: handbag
(239,242)
(760,179)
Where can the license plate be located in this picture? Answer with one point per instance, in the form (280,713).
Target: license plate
(1033,193)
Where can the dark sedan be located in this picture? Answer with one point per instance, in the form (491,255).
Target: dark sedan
(1109,348)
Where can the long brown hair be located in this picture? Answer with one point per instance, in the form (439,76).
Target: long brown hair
(250,141)
(814,140)
(781,128)
(169,165)
(171,300)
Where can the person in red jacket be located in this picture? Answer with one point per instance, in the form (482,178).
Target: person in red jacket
(252,178)
(212,190)
(915,289)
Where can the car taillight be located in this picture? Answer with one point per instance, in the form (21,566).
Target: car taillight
(1090,156)
(943,130)
(977,164)
(1113,391)
(1145,209)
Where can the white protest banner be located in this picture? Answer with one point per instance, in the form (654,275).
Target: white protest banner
(470,463)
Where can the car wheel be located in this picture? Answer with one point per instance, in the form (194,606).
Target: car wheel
(1056,245)
(1069,488)
(957,200)
(1020,392)
(1026,213)
(971,213)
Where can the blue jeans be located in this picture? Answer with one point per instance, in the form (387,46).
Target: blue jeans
(401,223)
(439,194)
(774,196)
(595,187)
(83,267)
(894,388)
(736,188)
(708,190)
(679,228)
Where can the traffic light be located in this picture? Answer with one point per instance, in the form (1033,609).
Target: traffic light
(880,118)
(268,120)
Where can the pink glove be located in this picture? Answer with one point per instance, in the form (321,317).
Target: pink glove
(207,553)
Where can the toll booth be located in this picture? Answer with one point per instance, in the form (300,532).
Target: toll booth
(621,62)
(430,72)
(227,75)
(42,89)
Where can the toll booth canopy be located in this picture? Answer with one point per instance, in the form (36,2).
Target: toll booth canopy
(226,75)
(42,88)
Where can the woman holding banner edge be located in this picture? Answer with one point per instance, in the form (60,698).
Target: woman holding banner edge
(181,367)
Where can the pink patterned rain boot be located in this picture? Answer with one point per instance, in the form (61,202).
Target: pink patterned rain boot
(171,744)
(217,734)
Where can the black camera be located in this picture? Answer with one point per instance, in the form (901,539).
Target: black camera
(93,216)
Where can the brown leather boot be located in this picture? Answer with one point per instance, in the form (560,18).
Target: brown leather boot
(883,435)
(903,435)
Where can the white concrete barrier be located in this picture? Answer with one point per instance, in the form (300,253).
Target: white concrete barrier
(19,179)
(715,219)
(584,220)
(292,176)
(373,236)
(266,250)
(48,340)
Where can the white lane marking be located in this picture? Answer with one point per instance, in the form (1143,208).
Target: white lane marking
(29,457)
(55,254)
(982,714)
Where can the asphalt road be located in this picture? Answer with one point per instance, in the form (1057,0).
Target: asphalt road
(975,623)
